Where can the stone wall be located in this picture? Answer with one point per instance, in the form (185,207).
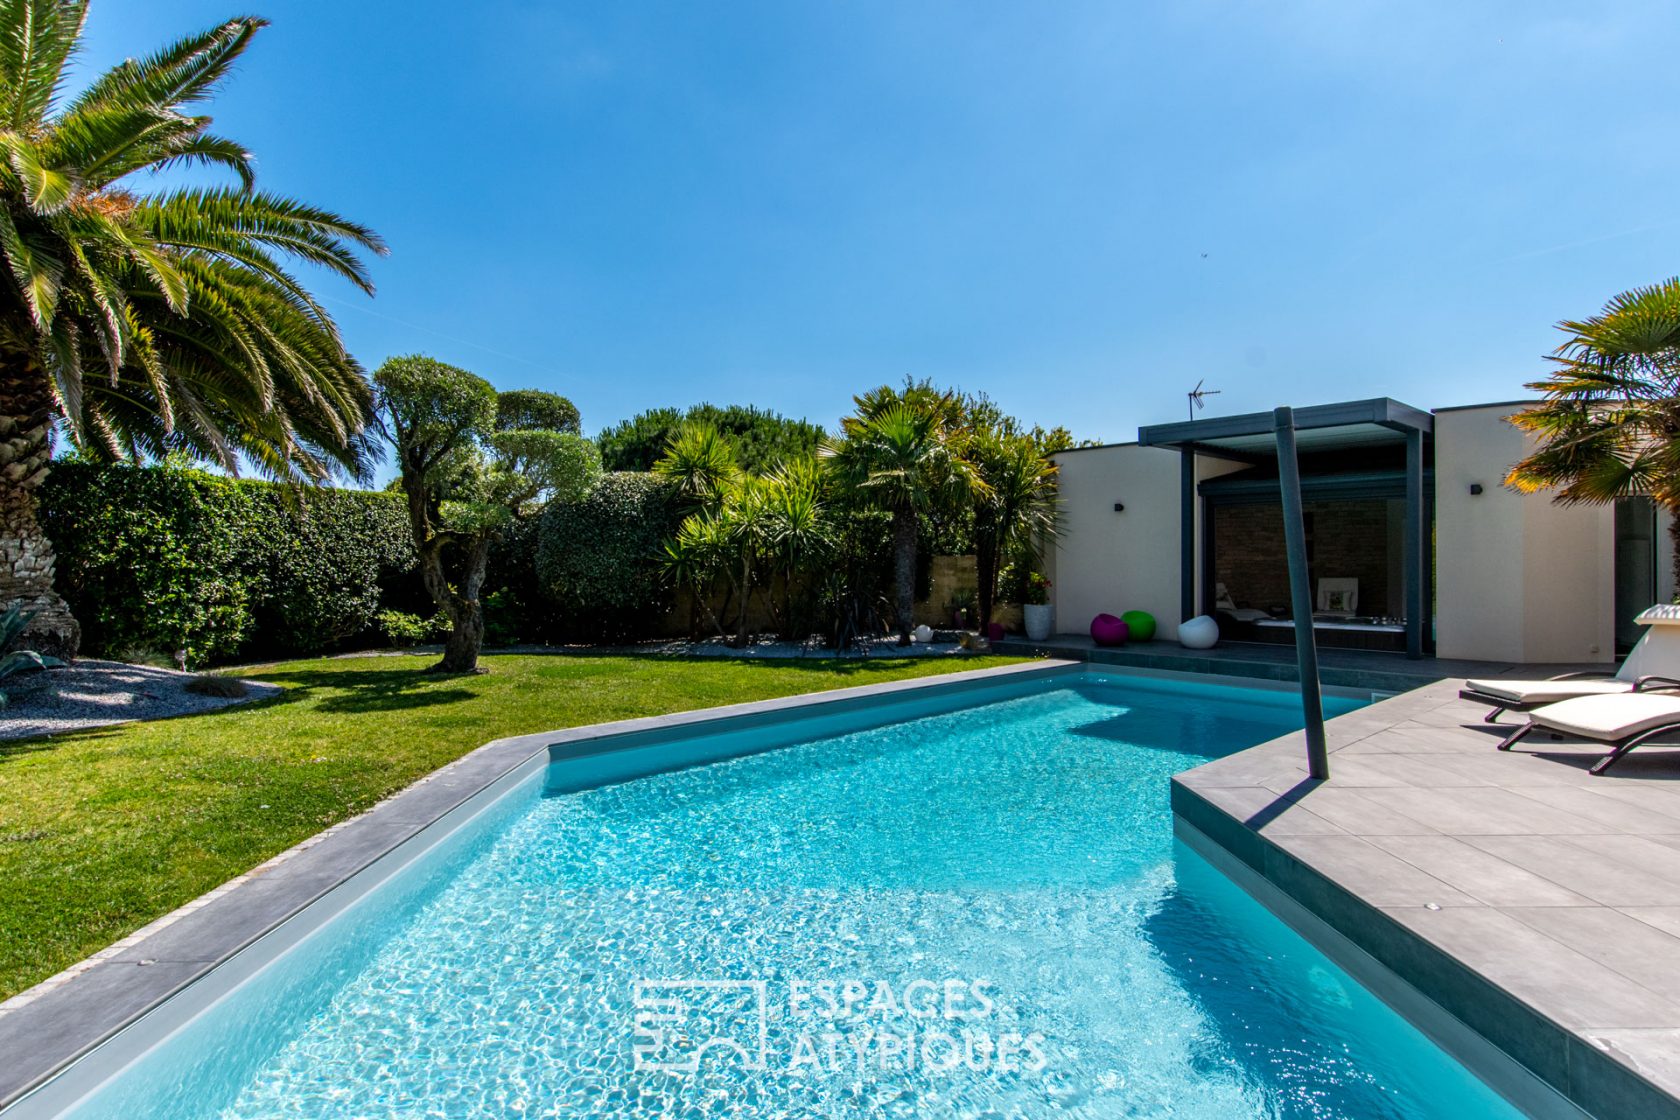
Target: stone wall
(1345,539)
(949,575)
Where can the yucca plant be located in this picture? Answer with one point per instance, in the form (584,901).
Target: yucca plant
(1608,427)
(902,452)
(753,529)
(143,319)
(1016,513)
(700,461)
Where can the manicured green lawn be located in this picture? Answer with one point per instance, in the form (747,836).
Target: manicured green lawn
(103,831)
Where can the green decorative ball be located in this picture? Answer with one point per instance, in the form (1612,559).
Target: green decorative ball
(1141,624)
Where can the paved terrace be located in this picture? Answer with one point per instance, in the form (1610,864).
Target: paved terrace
(1344,668)
(1536,903)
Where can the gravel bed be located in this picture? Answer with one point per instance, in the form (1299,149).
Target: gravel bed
(94,693)
(771,647)
(943,645)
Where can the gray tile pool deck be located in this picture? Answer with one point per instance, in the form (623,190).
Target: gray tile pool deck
(1537,904)
(1343,668)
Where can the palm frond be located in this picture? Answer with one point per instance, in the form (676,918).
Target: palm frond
(1607,426)
(183,301)
(183,72)
(37,38)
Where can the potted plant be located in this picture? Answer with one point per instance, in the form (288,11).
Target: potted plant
(1036,609)
(961,604)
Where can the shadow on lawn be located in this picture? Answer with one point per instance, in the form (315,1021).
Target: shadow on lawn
(381,690)
(815,663)
(349,692)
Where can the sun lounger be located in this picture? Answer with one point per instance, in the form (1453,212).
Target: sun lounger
(1619,722)
(1656,657)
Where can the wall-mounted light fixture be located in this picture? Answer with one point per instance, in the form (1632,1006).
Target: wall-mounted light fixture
(1119,507)
(1475,489)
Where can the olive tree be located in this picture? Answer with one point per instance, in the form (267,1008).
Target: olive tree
(467,476)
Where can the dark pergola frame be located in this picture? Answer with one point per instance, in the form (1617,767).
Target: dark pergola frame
(1193,438)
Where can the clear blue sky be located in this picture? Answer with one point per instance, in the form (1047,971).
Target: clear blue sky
(1081,208)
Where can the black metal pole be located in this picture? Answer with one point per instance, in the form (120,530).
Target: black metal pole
(1413,561)
(1187,534)
(1300,592)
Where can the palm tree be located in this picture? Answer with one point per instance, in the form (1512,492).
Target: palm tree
(1017,511)
(902,452)
(141,320)
(1609,426)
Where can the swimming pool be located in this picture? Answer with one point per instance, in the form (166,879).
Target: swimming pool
(959,904)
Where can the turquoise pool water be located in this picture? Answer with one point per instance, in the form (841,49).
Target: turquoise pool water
(977,913)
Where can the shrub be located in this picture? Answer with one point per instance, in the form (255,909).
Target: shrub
(504,618)
(761,438)
(518,610)
(172,559)
(402,629)
(214,684)
(150,557)
(599,558)
(319,559)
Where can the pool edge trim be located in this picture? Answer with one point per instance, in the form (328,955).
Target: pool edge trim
(1516,1083)
(46,1029)
(1590,1079)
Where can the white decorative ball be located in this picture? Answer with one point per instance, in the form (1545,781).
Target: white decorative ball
(1200,632)
(922,633)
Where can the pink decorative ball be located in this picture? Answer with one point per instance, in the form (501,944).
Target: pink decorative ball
(1107,630)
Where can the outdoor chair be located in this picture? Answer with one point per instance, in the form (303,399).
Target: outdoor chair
(1655,657)
(1619,722)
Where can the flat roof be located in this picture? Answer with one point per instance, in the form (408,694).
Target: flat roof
(1318,427)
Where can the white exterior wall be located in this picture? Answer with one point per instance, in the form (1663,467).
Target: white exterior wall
(1665,557)
(1518,577)
(1115,562)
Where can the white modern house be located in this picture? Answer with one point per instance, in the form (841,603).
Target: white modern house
(1414,544)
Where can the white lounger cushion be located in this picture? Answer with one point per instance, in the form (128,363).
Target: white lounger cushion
(1609,718)
(1245,614)
(1546,692)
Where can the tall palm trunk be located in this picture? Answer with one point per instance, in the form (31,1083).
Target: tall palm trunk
(746,604)
(986,556)
(26,555)
(904,573)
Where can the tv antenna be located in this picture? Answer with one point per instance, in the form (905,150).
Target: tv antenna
(1196,396)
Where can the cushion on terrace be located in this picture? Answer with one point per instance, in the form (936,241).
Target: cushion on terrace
(1608,718)
(1245,614)
(1108,630)
(1545,692)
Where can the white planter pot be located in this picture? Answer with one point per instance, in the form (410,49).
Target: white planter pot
(1038,617)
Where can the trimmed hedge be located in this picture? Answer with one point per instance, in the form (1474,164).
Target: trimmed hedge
(598,559)
(165,560)
(322,560)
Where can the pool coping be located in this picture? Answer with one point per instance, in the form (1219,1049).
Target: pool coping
(1319,845)
(49,1027)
